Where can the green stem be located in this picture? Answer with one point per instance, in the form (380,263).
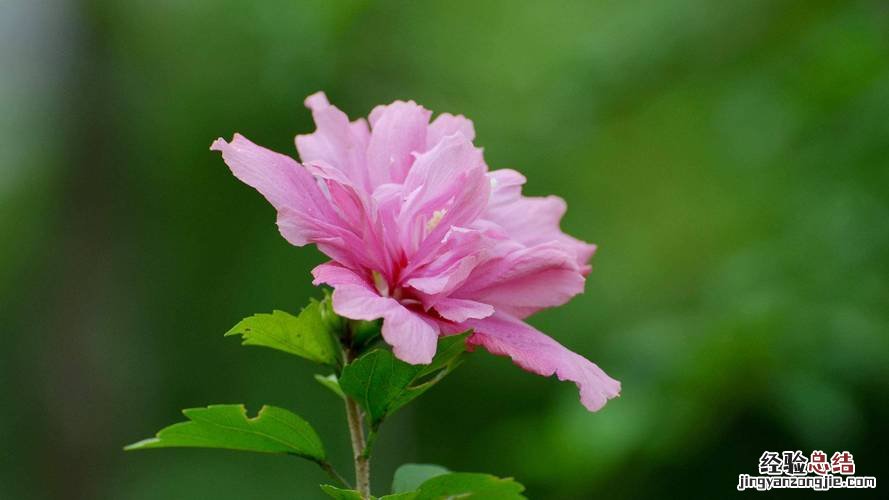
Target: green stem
(356,426)
(362,462)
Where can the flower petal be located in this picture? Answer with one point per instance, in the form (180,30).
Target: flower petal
(446,187)
(532,220)
(334,274)
(283,182)
(360,302)
(413,338)
(521,281)
(447,124)
(442,281)
(397,131)
(335,141)
(538,353)
(459,310)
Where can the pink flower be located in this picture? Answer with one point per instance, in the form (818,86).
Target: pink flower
(423,235)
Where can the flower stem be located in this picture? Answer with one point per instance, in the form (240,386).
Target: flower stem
(360,448)
(362,461)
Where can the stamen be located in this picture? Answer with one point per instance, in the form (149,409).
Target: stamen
(437,216)
(380,283)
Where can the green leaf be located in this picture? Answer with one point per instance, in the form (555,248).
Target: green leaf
(448,354)
(331,383)
(470,485)
(382,384)
(340,493)
(272,430)
(309,335)
(409,477)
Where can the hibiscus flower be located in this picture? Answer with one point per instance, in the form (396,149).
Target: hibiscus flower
(423,235)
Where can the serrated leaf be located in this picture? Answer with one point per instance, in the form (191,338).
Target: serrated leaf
(382,384)
(409,477)
(309,335)
(272,430)
(341,494)
(467,485)
(332,383)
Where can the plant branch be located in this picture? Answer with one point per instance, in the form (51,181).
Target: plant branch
(362,462)
(356,426)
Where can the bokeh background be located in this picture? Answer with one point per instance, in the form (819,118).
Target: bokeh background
(731,159)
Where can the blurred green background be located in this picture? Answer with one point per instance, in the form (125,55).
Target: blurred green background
(731,159)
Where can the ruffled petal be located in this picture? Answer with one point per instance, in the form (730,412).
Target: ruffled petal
(532,220)
(538,353)
(446,187)
(334,274)
(447,124)
(444,279)
(349,200)
(413,338)
(459,310)
(336,141)
(397,131)
(522,280)
(362,215)
(284,183)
